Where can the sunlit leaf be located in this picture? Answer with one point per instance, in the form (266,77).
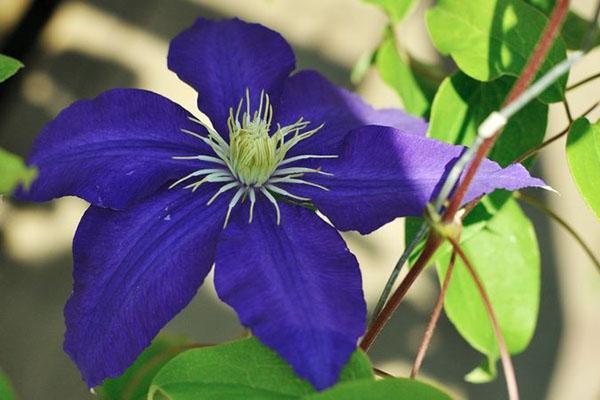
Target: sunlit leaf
(241,369)
(13,171)
(397,74)
(583,156)
(8,67)
(462,103)
(491,38)
(506,257)
(360,69)
(484,372)
(386,389)
(473,223)
(395,9)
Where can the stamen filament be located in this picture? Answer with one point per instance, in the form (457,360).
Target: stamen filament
(201,158)
(210,178)
(270,197)
(299,181)
(222,190)
(299,170)
(305,157)
(252,196)
(211,132)
(285,192)
(232,203)
(197,173)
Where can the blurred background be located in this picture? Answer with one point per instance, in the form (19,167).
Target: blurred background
(76,49)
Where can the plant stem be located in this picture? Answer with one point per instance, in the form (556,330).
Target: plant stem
(539,54)
(542,207)
(385,294)
(568,110)
(433,241)
(584,81)
(435,316)
(509,371)
(562,133)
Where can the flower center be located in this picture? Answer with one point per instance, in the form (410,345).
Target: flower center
(254,154)
(254,160)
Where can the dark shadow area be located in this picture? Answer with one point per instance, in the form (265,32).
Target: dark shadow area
(168,18)
(32,298)
(78,75)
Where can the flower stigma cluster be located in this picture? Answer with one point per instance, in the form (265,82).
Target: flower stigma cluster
(254,160)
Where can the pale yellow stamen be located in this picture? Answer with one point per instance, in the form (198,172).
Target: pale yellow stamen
(253,159)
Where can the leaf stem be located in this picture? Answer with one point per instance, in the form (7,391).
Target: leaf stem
(583,82)
(509,371)
(433,241)
(431,245)
(435,316)
(568,110)
(385,294)
(562,133)
(542,207)
(533,65)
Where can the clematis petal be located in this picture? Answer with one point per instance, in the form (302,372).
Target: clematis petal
(295,285)
(113,150)
(383,174)
(309,95)
(221,59)
(134,271)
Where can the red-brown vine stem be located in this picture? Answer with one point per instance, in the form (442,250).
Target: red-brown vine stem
(433,240)
(435,316)
(533,65)
(509,371)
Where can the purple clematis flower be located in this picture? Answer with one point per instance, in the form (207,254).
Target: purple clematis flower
(171,196)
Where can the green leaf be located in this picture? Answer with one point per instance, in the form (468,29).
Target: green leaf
(386,389)
(398,74)
(575,29)
(6,390)
(506,257)
(13,171)
(360,69)
(477,220)
(484,372)
(491,38)
(395,9)
(462,103)
(583,157)
(135,382)
(240,369)
(544,6)
(8,67)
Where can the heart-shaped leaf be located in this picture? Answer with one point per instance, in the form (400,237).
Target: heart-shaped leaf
(583,156)
(491,38)
(241,369)
(386,389)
